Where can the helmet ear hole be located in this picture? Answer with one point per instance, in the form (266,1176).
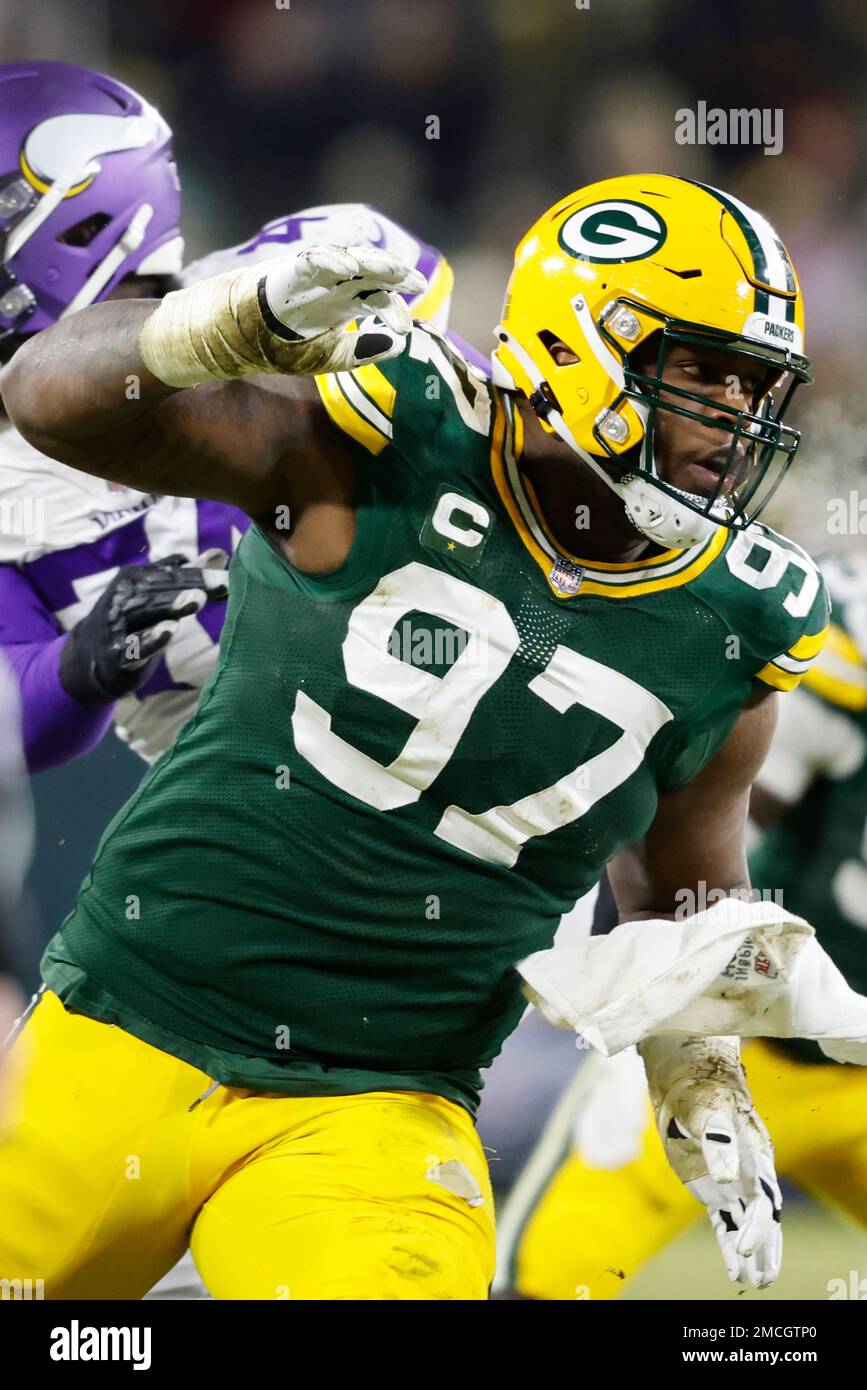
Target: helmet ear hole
(560,352)
(135,286)
(86,231)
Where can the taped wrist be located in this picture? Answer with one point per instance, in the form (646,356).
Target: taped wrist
(670,1059)
(221,329)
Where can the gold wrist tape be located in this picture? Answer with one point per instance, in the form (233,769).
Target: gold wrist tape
(216,329)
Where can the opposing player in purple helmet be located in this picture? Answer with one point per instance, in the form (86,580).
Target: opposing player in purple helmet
(89,193)
(112,600)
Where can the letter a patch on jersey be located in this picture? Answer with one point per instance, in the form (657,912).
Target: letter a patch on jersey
(457,526)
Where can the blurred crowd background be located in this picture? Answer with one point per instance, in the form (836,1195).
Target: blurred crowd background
(281,104)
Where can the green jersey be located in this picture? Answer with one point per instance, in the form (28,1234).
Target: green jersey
(403,772)
(815,857)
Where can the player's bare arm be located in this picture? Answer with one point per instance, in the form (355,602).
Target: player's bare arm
(80,393)
(106,395)
(697,835)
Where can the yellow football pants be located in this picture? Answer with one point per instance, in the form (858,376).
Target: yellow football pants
(107,1175)
(590,1230)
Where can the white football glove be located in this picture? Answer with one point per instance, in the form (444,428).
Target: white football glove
(311,298)
(719,1148)
(323,309)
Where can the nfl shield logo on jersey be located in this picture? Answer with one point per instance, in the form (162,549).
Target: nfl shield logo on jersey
(566,576)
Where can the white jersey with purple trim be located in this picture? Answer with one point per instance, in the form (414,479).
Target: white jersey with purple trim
(68,533)
(341,224)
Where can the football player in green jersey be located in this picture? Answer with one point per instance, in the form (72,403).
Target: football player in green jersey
(597,1199)
(483,639)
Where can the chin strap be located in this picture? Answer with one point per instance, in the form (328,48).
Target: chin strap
(662,517)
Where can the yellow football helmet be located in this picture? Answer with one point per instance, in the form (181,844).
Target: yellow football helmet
(605,270)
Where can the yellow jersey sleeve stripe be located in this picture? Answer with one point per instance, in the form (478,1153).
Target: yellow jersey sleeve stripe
(778,678)
(376,386)
(809,646)
(787,671)
(347,417)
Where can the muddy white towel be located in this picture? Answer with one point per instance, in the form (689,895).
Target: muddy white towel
(746,969)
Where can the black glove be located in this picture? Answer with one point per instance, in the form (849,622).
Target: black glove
(112,651)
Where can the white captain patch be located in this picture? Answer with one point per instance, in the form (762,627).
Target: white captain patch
(457,526)
(442,519)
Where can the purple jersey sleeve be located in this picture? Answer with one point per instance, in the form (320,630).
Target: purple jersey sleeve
(473,356)
(56,728)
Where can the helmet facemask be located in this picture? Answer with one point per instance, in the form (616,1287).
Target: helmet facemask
(651,263)
(747,477)
(759,447)
(17,301)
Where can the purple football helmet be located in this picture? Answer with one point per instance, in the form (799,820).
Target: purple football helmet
(89,192)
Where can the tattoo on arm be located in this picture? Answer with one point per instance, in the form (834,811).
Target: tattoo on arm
(80,393)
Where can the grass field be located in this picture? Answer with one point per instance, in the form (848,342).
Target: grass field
(819,1246)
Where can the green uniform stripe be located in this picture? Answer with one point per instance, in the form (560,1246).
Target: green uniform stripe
(760,264)
(373,404)
(353,406)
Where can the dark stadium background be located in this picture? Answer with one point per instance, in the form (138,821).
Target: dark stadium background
(278,108)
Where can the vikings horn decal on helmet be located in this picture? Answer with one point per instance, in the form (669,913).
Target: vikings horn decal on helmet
(89,192)
(652,258)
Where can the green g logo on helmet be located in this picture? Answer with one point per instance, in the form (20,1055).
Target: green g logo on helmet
(614,231)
